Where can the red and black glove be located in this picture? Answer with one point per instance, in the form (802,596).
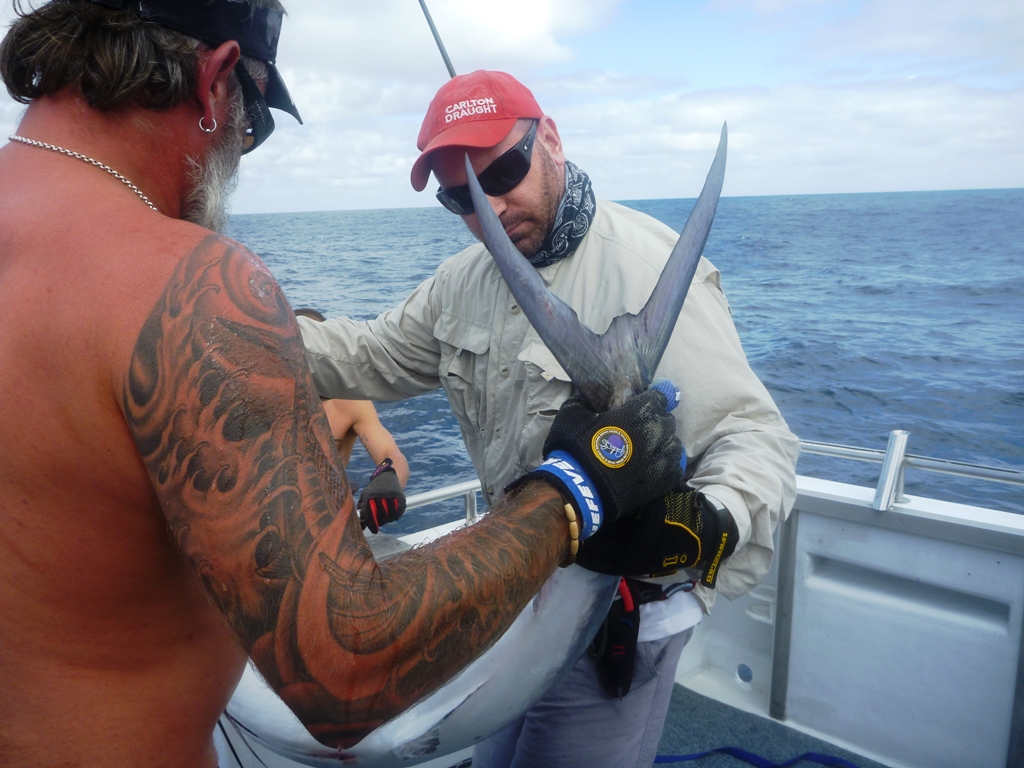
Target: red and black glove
(382,501)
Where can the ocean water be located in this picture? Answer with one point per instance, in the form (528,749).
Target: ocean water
(861,313)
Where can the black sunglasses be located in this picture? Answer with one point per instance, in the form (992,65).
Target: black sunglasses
(261,123)
(498,178)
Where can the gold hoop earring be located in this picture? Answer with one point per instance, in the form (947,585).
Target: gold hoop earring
(203,128)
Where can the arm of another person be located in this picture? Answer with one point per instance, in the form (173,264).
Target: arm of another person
(377,441)
(341,420)
(392,357)
(341,415)
(361,418)
(220,403)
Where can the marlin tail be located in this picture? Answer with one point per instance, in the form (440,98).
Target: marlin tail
(610,368)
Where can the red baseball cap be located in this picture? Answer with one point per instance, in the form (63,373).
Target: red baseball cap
(474,110)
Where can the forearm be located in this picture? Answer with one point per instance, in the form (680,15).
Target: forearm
(380,444)
(753,474)
(401,465)
(375,638)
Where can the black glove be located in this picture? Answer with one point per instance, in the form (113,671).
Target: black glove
(382,500)
(683,529)
(613,463)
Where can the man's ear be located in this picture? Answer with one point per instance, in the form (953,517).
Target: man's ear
(212,82)
(547,135)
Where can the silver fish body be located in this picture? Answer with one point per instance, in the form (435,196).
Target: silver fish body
(545,640)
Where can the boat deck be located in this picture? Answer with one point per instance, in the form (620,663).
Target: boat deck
(698,723)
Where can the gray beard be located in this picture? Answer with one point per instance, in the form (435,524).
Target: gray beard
(212,181)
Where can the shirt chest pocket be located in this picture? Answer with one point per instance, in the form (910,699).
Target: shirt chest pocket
(547,386)
(464,349)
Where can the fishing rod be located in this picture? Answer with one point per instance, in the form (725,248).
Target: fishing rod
(437,38)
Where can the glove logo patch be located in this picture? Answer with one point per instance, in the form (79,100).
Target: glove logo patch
(612,447)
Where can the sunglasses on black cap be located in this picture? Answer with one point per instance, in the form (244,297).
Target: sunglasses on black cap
(261,122)
(256,30)
(498,178)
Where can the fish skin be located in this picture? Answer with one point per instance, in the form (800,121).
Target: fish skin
(544,642)
(609,368)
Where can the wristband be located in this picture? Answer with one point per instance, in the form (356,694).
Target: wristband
(574,536)
(571,476)
(724,544)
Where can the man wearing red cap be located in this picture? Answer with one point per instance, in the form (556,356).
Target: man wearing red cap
(463,330)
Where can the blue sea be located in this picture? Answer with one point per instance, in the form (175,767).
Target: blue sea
(862,313)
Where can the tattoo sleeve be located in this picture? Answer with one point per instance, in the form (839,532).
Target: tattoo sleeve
(223,411)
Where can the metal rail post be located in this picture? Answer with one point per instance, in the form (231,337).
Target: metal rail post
(471,507)
(890,481)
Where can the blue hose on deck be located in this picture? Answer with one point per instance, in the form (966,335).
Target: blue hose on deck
(758,761)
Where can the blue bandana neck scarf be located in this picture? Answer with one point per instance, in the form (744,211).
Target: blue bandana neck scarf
(572,222)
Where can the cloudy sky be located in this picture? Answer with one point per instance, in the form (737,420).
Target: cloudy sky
(820,95)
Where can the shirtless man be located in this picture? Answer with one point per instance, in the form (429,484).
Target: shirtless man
(186,508)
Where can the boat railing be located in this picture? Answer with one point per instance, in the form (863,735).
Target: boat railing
(894,460)
(468,489)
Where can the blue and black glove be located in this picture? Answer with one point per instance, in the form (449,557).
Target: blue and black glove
(614,463)
(382,500)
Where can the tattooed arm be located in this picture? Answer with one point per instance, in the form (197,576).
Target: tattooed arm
(224,413)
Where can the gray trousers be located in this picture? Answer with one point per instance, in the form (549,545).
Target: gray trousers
(579,725)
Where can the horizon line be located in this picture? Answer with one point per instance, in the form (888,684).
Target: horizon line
(652,199)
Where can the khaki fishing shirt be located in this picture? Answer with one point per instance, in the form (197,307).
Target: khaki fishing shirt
(462,330)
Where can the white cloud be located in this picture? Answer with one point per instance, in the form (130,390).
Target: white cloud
(978,36)
(362,74)
(390,39)
(641,143)
(983,35)
(793,139)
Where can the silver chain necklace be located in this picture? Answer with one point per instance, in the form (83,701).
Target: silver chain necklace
(84,158)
